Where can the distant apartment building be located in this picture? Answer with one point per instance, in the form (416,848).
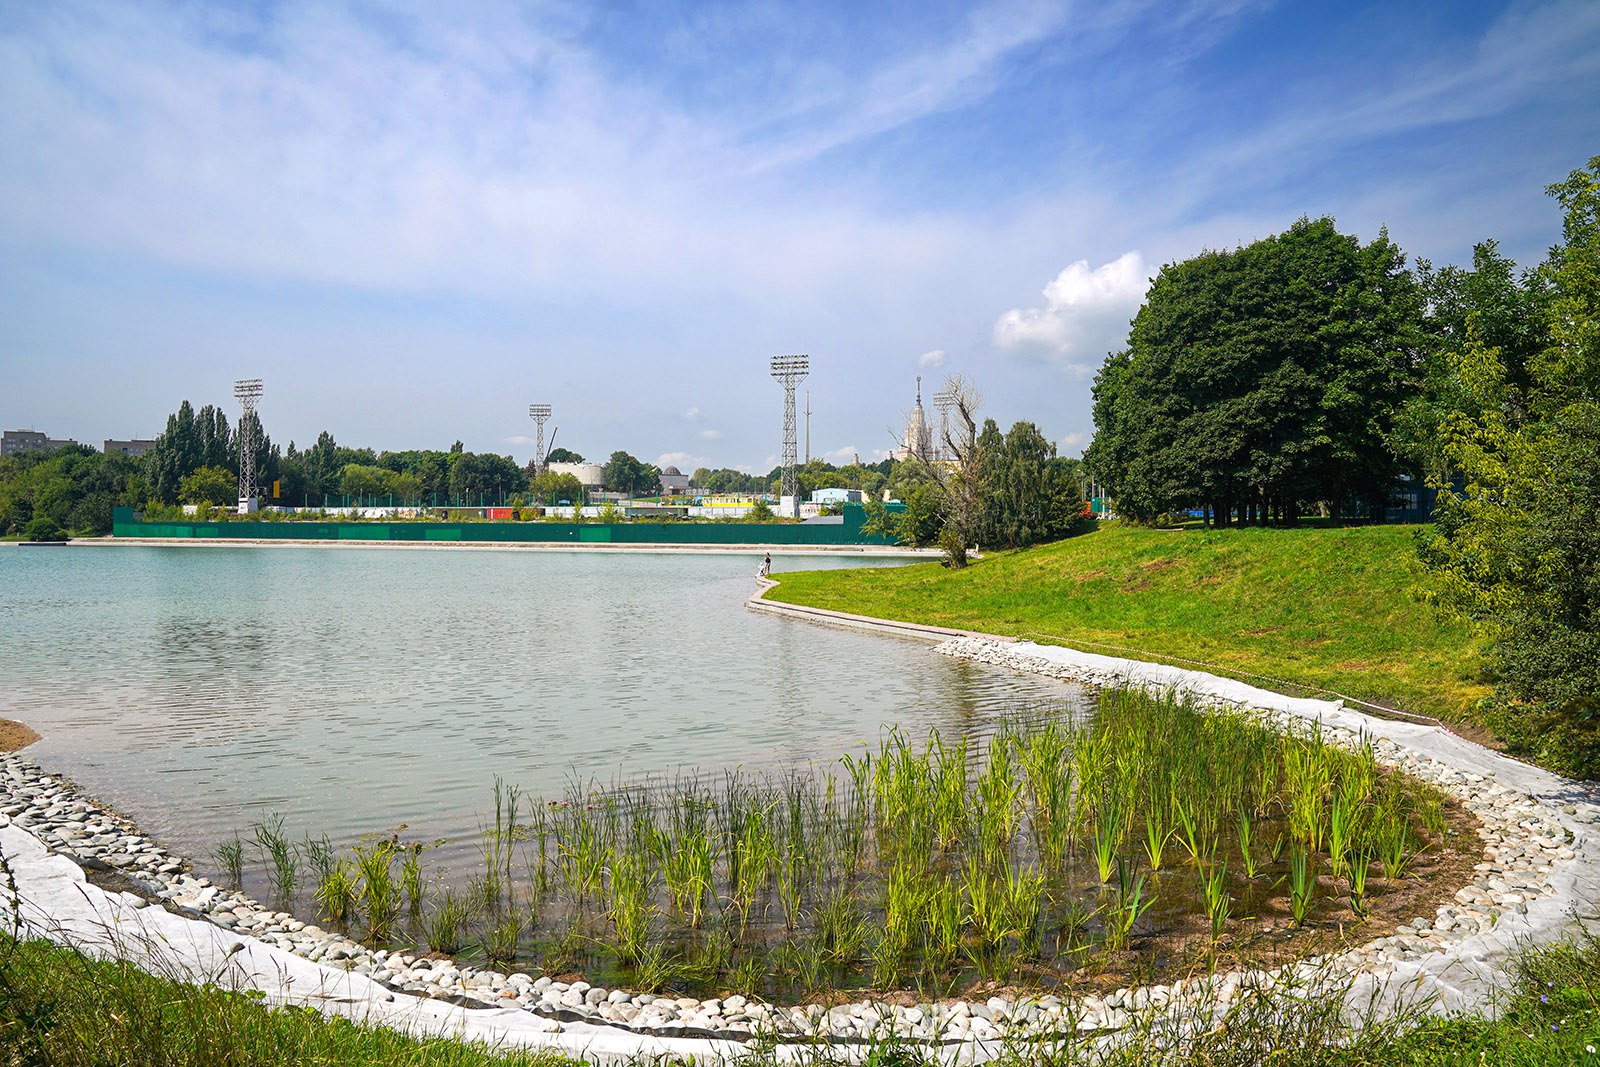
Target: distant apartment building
(127,448)
(13,442)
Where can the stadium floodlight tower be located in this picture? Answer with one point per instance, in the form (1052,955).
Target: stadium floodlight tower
(248,392)
(944,401)
(791,371)
(539,413)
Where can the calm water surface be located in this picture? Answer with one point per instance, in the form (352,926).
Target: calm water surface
(355,690)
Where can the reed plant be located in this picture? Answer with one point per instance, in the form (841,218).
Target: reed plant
(841,929)
(318,855)
(1045,757)
(230,857)
(1247,856)
(1024,895)
(1360,862)
(1157,835)
(380,895)
(1110,825)
(1395,855)
(1214,895)
(1341,830)
(906,858)
(279,853)
(1302,882)
(1126,906)
(630,908)
(411,875)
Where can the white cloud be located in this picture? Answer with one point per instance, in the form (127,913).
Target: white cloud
(842,457)
(694,415)
(929,360)
(709,435)
(1086,311)
(1072,443)
(682,460)
(518,439)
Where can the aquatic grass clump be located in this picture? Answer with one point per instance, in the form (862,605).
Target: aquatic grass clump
(338,891)
(444,922)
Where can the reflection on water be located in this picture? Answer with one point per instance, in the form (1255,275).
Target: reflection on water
(356,690)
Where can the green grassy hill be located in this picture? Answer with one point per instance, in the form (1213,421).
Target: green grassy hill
(1334,608)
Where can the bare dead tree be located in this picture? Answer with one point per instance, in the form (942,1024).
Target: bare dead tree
(956,470)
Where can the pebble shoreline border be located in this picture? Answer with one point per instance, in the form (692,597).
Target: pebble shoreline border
(1529,842)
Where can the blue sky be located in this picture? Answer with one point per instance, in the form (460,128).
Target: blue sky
(414,220)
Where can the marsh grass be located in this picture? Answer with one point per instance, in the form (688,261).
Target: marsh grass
(934,862)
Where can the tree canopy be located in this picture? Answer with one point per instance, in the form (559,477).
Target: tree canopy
(624,473)
(1261,380)
(1516,542)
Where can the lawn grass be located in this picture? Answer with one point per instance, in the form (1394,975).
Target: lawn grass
(60,1008)
(1332,608)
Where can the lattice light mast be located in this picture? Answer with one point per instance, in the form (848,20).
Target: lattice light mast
(539,413)
(791,371)
(944,401)
(248,393)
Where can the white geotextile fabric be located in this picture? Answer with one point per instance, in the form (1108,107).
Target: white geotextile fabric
(1472,972)
(58,904)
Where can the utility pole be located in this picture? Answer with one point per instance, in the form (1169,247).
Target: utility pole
(808,427)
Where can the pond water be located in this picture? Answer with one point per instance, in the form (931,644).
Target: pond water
(358,690)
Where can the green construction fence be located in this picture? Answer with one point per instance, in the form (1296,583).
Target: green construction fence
(125,523)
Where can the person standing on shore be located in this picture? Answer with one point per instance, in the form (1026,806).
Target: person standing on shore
(766,567)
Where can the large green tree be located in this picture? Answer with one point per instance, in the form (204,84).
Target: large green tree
(1516,543)
(625,473)
(209,485)
(1261,381)
(1031,494)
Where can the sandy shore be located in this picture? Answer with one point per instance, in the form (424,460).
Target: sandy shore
(14,735)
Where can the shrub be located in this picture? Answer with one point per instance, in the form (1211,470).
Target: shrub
(43,528)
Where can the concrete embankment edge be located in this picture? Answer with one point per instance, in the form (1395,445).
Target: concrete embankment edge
(823,616)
